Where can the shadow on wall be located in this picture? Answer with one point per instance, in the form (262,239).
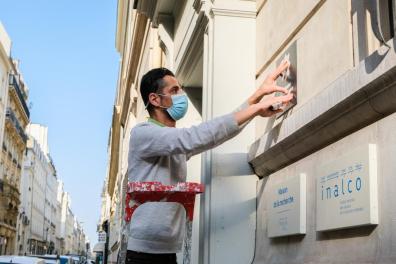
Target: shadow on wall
(195,96)
(296,239)
(394,41)
(234,217)
(261,190)
(381,26)
(345,233)
(376,60)
(231,164)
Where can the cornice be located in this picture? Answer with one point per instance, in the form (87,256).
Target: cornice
(114,149)
(194,47)
(122,14)
(147,7)
(139,38)
(232,13)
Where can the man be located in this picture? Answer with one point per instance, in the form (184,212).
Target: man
(158,152)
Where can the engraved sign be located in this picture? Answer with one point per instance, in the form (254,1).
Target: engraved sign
(287,207)
(346,190)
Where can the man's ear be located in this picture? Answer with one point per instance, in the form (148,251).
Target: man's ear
(154,99)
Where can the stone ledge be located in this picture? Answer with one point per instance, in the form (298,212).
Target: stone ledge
(358,98)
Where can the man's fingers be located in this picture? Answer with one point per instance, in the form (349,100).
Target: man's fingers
(277,111)
(284,99)
(275,103)
(280,89)
(281,68)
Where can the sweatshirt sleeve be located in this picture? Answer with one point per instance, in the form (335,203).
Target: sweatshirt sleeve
(240,108)
(152,141)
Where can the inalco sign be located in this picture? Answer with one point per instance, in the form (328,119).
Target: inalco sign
(346,190)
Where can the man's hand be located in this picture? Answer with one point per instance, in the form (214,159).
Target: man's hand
(269,86)
(262,108)
(265,106)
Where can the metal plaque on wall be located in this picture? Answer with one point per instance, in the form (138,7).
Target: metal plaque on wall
(289,77)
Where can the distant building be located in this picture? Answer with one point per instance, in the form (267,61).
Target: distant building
(33,185)
(6,231)
(59,232)
(37,226)
(14,110)
(35,213)
(5,68)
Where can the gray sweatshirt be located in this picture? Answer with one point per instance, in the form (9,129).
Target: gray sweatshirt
(158,153)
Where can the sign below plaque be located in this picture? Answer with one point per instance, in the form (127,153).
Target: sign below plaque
(346,190)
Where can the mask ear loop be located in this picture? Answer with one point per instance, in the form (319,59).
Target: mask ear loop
(145,107)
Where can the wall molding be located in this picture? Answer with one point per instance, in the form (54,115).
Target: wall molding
(232,13)
(194,48)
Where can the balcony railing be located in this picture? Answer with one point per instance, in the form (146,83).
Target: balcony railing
(21,95)
(11,116)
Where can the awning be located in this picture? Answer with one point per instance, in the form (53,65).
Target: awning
(99,247)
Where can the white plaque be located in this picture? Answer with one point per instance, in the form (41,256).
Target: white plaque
(346,190)
(287,207)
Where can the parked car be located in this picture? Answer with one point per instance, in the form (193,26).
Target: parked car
(77,259)
(48,259)
(61,259)
(21,260)
(66,259)
(56,259)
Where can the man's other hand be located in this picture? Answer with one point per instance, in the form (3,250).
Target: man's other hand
(269,86)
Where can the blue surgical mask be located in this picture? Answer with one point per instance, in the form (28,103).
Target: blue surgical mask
(179,106)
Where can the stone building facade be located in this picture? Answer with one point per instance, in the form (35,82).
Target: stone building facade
(16,118)
(39,186)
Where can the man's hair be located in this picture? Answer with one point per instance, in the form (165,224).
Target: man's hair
(152,82)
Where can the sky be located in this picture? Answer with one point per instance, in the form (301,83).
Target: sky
(68,59)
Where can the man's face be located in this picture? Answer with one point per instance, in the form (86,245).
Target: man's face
(172,87)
